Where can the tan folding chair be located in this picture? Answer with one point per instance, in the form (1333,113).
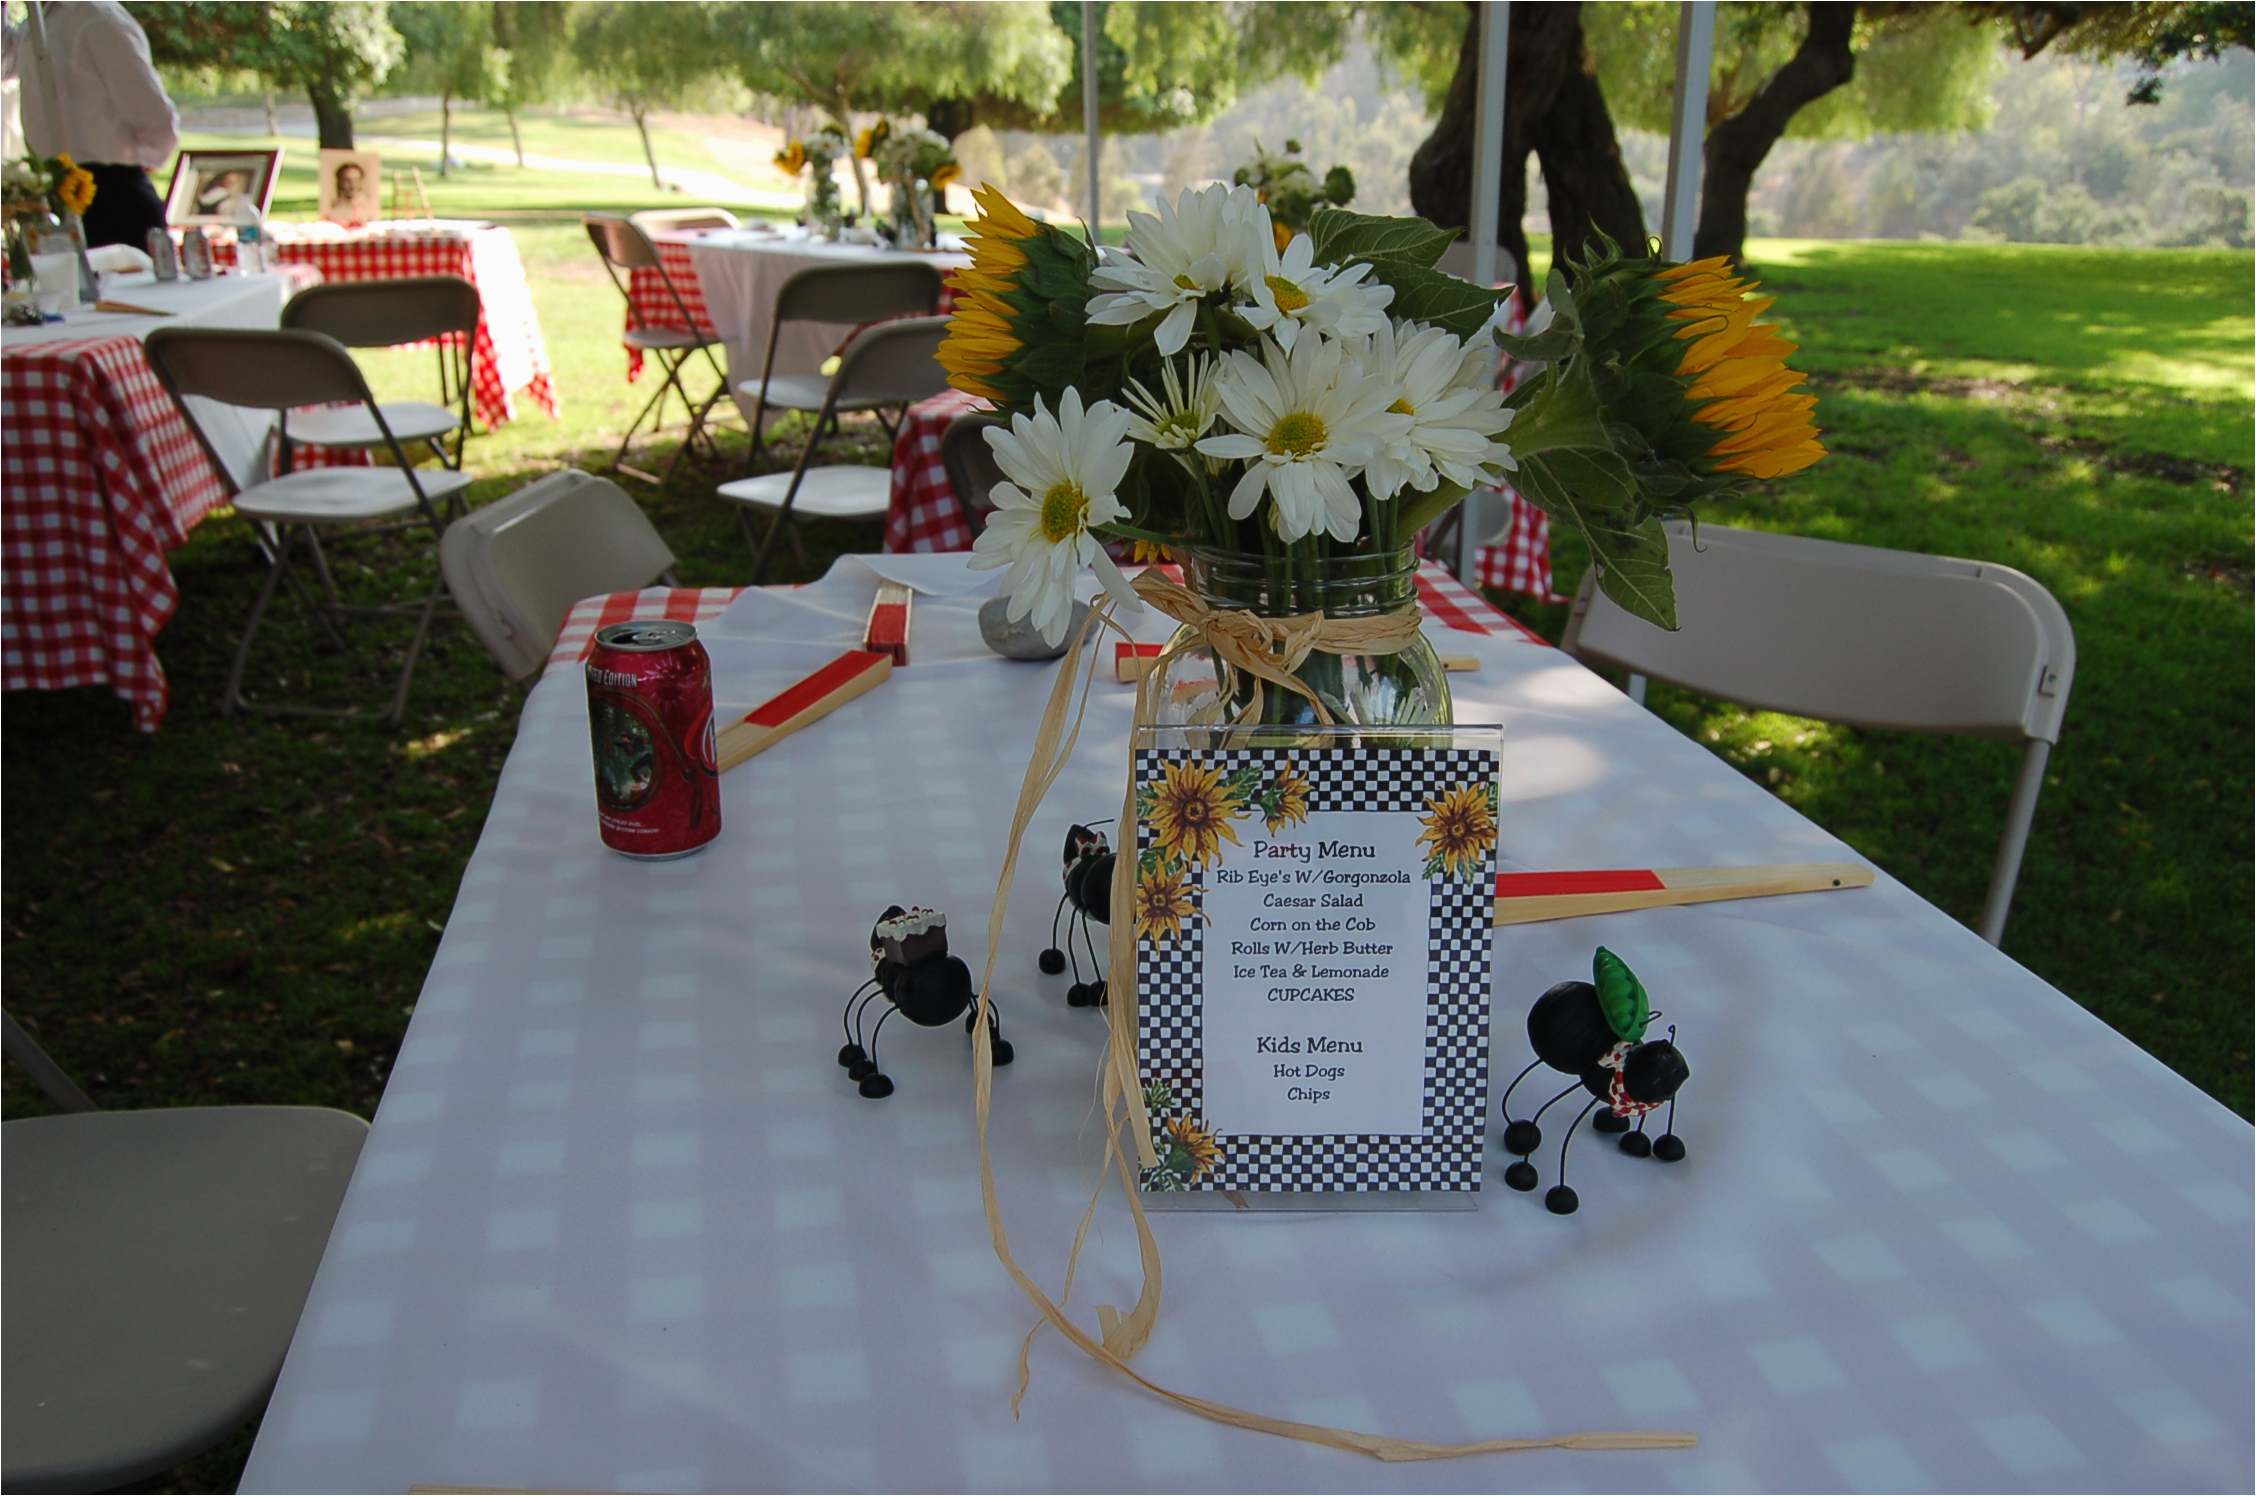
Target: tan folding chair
(389,314)
(682,220)
(972,469)
(893,363)
(855,294)
(276,371)
(625,248)
(156,1262)
(516,567)
(1859,636)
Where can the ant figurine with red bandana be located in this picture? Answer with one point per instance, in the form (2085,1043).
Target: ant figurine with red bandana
(1595,1031)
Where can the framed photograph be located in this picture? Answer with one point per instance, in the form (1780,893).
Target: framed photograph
(205,184)
(352,186)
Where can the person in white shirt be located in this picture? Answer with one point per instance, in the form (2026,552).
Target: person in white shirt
(116,119)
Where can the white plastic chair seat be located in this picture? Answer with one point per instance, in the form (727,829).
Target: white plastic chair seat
(314,496)
(656,339)
(824,493)
(156,1263)
(353,426)
(797,392)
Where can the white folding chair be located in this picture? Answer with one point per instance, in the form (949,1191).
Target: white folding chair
(893,363)
(516,567)
(626,248)
(850,293)
(972,469)
(156,1263)
(276,371)
(388,314)
(682,220)
(1859,636)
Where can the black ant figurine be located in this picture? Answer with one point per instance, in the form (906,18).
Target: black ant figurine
(1088,888)
(1596,1031)
(919,980)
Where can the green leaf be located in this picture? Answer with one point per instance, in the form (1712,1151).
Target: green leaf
(1548,346)
(1423,295)
(1636,569)
(1620,995)
(1341,236)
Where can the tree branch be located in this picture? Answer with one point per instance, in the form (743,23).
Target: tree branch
(1736,148)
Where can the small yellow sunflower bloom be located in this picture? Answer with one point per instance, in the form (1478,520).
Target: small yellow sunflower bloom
(792,159)
(1162,902)
(1286,804)
(1191,813)
(1460,829)
(1196,1142)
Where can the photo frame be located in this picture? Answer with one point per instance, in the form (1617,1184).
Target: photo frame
(1313,964)
(351,186)
(204,182)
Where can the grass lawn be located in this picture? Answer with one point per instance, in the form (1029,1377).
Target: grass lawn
(243,910)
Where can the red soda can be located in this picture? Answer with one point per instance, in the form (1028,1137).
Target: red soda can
(650,713)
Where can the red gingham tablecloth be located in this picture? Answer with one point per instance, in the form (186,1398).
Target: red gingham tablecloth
(1443,598)
(103,477)
(508,353)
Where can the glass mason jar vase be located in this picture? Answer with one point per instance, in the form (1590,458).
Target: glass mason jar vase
(1197,687)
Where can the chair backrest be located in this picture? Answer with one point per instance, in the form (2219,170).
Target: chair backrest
(859,293)
(893,363)
(1847,633)
(682,220)
(517,566)
(972,469)
(622,244)
(386,313)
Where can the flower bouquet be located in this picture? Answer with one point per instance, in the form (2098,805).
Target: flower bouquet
(818,153)
(916,166)
(1287,186)
(1284,421)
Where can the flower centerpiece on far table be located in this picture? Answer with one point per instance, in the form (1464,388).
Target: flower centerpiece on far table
(1285,417)
(1288,188)
(818,153)
(36,192)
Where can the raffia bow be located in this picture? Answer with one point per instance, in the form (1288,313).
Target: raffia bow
(1269,649)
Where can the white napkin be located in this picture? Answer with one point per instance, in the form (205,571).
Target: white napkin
(120,257)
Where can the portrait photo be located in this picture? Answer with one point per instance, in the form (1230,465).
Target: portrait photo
(207,184)
(351,186)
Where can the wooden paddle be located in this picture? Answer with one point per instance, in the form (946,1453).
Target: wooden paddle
(817,696)
(1524,898)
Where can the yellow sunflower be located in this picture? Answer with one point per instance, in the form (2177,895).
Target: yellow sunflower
(1152,553)
(866,143)
(792,159)
(1460,829)
(945,175)
(1191,812)
(1162,902)
(982,333)
(1738,369)
(76,188)
(1286,803)
(1196,1142)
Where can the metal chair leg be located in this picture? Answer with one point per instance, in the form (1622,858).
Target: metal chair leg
(415,648)
(234,696)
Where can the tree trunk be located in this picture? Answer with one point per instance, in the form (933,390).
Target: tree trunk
(640,114)
(446,131)
(1546,48)
(1583,172)
(331,119)
(273,126)
(842,110)
(1737,147)
(516,139)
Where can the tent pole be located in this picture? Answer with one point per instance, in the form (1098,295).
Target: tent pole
(1688,127)
(1089,112)
(1495,20)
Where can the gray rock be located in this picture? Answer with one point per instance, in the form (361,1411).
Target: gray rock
(1021,640)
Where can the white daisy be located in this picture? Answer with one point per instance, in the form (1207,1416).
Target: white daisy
(1202,243)
(1063,472)
(1448,392)
(1307,423)
(1292,292)
(1181,413)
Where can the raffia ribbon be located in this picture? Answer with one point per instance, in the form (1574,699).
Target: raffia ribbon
(1269,649)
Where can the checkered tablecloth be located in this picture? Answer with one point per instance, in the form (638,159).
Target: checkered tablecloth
(103,477)
(508,354)
(1443,598)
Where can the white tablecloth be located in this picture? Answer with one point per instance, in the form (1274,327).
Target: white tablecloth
(623,1224)
(249,301)
(741,271)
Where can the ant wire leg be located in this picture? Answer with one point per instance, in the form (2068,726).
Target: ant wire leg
(1052,960)
(862,1012)
(1522,1137)
(1668,1147)
(1636,1144)
(850,1053)
(1096,964)
(842,1012)
(875,1084)
(1554,1101)
(1562,1200)
(1506,1104)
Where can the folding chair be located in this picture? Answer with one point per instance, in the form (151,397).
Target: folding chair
(516,567)
(1860,636)
(388,314)
(625,249)
(893,363)
(276,371)
(972,469)
(682,220)
(856,294)
(156,1263)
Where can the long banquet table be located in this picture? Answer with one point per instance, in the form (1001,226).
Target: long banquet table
(622,1224)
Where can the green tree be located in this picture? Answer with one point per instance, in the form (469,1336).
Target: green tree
(534,37)
(645,57)
(335,50)
(450,48)
(931,56)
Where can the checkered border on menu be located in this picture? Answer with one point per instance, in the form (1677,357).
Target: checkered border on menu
(1169,1038)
